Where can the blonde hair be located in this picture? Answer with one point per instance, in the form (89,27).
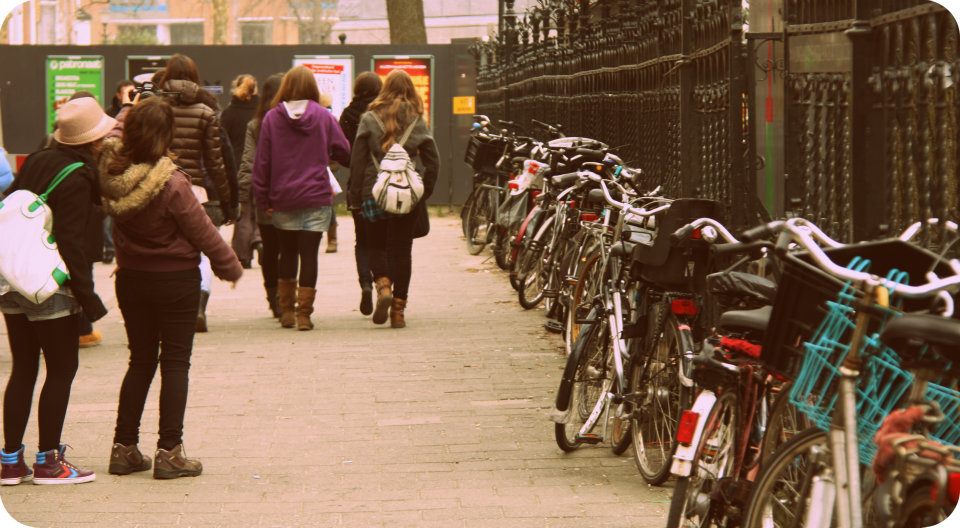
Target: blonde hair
(398,105)
(244,87)
(326,100)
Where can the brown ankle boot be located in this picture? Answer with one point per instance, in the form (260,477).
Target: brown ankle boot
(305,297)
(127,459)
(175,464)
(384,299)
(287,299)
(396,313)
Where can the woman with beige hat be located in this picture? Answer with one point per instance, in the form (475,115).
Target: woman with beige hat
(52,326)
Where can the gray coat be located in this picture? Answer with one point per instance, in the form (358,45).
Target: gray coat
(420,146)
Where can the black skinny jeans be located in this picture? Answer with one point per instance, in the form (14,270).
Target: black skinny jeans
(59,341)
(160,314)
(361,229)
(390,244)
(300,248)
(270,257)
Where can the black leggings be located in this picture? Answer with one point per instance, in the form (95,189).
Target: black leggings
(270,256)
(361,228)
(59,341)
(390,245)
(303,248)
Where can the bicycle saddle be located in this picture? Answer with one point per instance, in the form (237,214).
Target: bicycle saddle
(622,249)
(746,319)
(907,335)
(740,284)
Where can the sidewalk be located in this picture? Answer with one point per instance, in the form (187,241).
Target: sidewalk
(442,424)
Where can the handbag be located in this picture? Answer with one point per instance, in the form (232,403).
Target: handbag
(29,259)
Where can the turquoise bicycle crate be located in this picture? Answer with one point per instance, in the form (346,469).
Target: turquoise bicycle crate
(948,431)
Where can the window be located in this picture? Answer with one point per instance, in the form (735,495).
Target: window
(256,33)
(133,34)
(186,33)
(48,23)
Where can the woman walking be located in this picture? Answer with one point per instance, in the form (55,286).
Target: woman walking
(297,142)
(53,326)
(197,147)
(235,117)
(365,90)
(395,114)
(160,231)
(270,253)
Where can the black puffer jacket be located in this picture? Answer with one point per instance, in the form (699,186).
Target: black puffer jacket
(75,205)
(197,138)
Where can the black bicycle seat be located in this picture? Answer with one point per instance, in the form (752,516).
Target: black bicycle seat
(746,319)
(907,335)
(622,249)
(742,284)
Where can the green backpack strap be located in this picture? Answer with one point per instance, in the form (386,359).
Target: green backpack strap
(62,175)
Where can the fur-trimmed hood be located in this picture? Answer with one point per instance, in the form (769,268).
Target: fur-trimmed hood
(128,193)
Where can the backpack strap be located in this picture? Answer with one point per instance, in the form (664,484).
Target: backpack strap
(58,179)
(406,134)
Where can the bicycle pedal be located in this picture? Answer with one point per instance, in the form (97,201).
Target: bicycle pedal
(553,327)
(551,294)
(589,438)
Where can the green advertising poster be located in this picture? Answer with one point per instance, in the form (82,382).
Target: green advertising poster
(67,75)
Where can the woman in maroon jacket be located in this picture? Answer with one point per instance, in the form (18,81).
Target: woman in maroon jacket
(160,231)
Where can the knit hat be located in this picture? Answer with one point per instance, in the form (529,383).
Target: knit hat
(82,121)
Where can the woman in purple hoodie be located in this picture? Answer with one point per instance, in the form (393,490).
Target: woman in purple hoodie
(298,140)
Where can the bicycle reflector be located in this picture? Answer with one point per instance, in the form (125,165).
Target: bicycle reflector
(953,488)
(513,185)
(683,307)
(589,217)
(687,426)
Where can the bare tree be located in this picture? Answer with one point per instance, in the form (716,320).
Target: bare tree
(313,20)
(221,21)
(406,22)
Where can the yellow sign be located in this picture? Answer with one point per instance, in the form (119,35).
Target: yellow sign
(466,105)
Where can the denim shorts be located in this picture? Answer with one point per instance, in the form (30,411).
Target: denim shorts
(316,220)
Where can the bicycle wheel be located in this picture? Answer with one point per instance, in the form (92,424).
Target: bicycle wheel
(784,423)
(582,298)
(501,248)
(919,510)
(535,267)
(660,400)
(779,498)
(692,505)
(588,385)
(478,221)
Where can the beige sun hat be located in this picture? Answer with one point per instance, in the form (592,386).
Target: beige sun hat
(82,121)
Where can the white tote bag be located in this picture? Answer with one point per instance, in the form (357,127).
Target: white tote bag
(29,259)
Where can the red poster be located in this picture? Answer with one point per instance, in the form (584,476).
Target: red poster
(417,68)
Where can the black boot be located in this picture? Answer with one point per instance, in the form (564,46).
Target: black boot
(202,312)
(272,301)
(366,299)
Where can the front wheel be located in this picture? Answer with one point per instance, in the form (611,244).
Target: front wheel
(477,221)
(692,505)
(590,383)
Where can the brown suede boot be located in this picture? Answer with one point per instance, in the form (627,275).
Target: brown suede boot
(175,464)
(384,300)
(287,299)
(127,459)
(305,297)
(396,313)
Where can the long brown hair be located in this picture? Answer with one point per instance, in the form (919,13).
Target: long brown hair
(397,106)
(147,135)
(368,84)
(298,84)
(267,94)
(180,68)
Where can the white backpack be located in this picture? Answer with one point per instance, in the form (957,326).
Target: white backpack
(30,262)
(399,187)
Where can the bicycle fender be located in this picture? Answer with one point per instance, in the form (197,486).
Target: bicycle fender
(683,458)
(570,371)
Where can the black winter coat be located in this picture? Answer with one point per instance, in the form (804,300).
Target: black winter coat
(234,119)
(350,118)
(77,219)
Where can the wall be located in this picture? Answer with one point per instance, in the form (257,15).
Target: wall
(22,96)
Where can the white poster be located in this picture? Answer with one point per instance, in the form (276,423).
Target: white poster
(334,75)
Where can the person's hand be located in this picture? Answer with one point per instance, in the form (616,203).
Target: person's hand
(229,215)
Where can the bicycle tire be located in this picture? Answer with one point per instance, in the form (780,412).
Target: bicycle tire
(759,512)
(501,248)
(919,510)
(582,298)
(719,433)
(621,437)
(591,366)
(784,422)
(532,273)
(475,219)
(665,398)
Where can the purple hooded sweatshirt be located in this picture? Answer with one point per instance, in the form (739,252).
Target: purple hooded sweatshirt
(296,143)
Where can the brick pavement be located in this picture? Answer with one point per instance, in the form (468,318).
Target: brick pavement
(442,424)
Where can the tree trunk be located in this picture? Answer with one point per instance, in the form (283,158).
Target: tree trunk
(220,21)
(406,22)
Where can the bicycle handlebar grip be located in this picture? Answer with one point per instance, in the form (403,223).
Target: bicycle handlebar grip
(756,233)
(681,234)
(734,247)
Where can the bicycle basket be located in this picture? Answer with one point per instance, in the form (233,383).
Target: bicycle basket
(948,431)
(482,155)
(804,290)
(881,384)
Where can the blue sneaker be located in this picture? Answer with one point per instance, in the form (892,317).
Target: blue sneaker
(14,470)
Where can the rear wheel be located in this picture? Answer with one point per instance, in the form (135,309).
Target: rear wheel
(478,221)
(920,510)
(501,248)
(692,504)
(660,399)
(589,385)
(582,298)
(533,271)
(784,423)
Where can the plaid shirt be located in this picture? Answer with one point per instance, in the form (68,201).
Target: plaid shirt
(372,212)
